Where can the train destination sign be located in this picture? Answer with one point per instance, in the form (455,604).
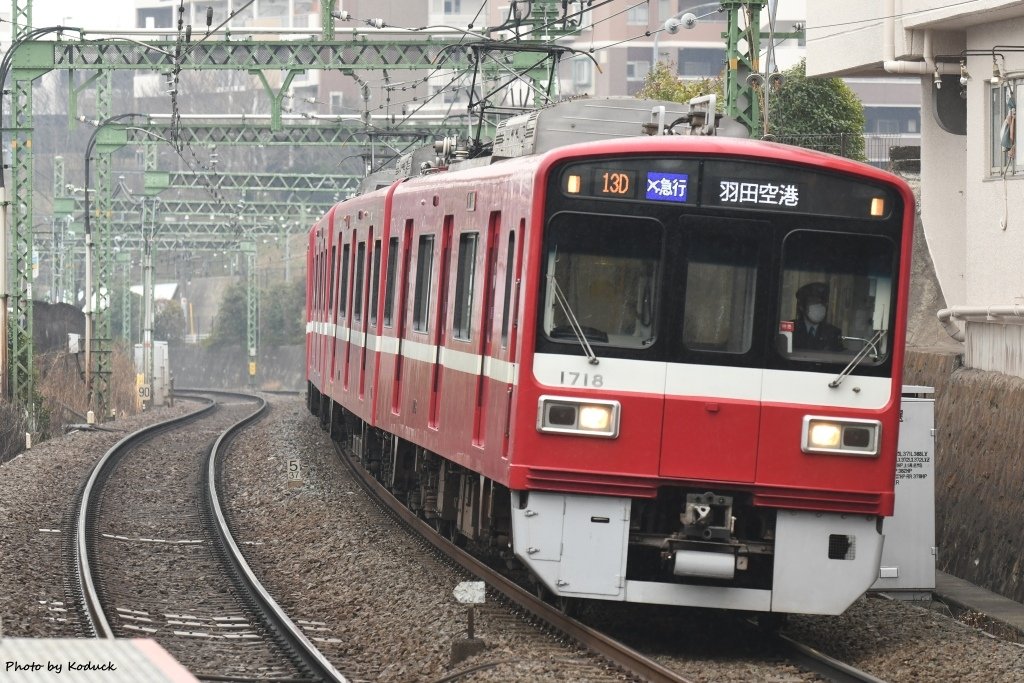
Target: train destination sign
(769,187)
(746,192)
(740,185)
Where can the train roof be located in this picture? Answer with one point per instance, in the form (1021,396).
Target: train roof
(582,120)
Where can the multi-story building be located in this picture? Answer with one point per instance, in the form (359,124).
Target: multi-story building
(615,46)
(968,61)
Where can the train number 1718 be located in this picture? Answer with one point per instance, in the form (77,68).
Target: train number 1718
(581,379)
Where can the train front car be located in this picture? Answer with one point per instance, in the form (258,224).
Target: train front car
(718,329)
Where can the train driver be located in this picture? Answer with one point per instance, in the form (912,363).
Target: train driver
(810,331)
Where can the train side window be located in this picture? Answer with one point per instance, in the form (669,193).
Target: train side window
(389,289)
(343,296)
(510,257)
(319,283)
(374,282)
(330,278)
(721,279)
(357,289)
(464,280)
(424,273)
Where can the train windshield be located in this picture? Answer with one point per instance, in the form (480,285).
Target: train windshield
(600,286)
(836,297)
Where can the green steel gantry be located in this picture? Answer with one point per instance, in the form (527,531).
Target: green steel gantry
(359,50)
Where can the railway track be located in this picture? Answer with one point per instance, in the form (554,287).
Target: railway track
(621,655)
(154,556)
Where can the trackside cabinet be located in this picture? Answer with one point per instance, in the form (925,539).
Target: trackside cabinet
(909,553)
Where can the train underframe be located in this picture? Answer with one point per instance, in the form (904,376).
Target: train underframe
(686,546)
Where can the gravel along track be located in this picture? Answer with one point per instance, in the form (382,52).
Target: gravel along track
(330,557)
(37,492)
(372,598)
(157,563)
(382,608)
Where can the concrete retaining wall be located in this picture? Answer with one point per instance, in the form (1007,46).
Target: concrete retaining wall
(979,466)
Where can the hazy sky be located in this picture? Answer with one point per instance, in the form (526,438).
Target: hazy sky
(88,14)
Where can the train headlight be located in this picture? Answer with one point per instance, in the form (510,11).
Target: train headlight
(583,417)
(840,436)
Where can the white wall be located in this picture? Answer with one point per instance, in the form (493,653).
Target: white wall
(994,254)
(943,198)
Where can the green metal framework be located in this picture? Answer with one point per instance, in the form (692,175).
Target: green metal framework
(31,59)
(742,49)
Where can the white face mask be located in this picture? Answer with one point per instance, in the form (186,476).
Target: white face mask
(816,313)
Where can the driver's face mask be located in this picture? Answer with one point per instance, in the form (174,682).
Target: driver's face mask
(816,313)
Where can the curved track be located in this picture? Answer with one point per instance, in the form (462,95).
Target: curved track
(174,572)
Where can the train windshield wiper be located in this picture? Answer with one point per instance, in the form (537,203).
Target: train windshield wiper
(870,347)
(577,330)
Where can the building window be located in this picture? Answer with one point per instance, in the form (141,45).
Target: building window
(1006,128)
(888,127)
(636,71)
(337,102)
(582,73)
(891,120)
(701,62)
(638,15)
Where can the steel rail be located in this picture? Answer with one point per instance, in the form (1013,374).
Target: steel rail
(273,614)
(836,671)
(595,641)
(92,608)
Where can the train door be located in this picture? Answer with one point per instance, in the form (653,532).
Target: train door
(373,326)
(403,300)
(486,328)
(713,391)
(358,314)
(332,315)
(345,318)
(509,326)
(321,332)
(440,329)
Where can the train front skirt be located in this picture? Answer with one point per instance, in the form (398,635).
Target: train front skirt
(577,545)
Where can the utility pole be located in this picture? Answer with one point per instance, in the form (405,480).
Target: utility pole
(744,82)
(742,53)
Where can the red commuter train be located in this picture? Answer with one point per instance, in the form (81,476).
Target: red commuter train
(601,356)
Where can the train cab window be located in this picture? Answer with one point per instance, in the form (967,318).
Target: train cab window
(357,289)
(389,288)
(424,272)
(721,277)
(601,280)
(374,280)
(464,280)
(343,296)
(837,297)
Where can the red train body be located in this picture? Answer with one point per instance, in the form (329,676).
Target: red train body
(589,357)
